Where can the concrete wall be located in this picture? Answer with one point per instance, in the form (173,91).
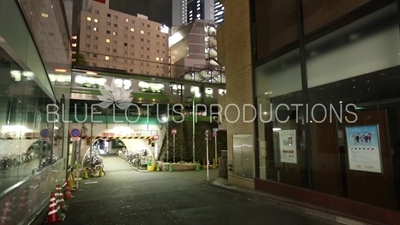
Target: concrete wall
(238,76)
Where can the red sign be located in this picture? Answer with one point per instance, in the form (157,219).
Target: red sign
(214,134)
(156,137)
(174,131)
(101,1)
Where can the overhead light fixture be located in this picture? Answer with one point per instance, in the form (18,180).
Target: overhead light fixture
(45,15)
(11,128)
(276,129)
(90,73)
(60,70)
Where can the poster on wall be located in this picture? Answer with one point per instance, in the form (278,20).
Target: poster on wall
(363,148)
(288,146)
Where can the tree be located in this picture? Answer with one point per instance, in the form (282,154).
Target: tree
(79,60)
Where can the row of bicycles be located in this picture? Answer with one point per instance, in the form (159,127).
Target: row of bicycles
(94,161)
(14,160)
(132,158)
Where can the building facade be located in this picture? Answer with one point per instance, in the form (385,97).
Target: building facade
(112,39)
(193,49)
(324,79)
(187,11)
(35,65)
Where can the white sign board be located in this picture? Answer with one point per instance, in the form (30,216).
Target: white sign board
(364,148)
(288,146)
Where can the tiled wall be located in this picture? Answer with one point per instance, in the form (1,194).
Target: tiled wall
(239,84)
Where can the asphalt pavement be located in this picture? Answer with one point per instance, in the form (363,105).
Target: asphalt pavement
(125,196)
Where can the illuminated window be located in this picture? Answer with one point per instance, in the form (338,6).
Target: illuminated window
(126,20)
(88,18)
(114,33)
(132,29)
(108,40)
(157,58)
(95,28)
(107,58)
(96,20)
(142,32)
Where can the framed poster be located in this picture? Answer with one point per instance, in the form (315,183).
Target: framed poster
(363,148)
(288,146)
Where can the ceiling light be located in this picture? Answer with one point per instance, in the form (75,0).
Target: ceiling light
(91,73)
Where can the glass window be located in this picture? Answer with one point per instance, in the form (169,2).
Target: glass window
(22,117)
(353,77)
(281,121)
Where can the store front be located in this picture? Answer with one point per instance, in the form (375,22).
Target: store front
(329,125)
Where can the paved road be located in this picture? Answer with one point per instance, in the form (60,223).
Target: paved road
(125,196)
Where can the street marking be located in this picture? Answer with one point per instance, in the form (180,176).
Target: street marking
(91,182)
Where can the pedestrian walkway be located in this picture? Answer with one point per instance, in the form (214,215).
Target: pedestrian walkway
(113,164)
(287,203)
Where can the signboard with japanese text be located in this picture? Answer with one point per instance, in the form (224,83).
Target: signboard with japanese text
(364,148)
(288,146)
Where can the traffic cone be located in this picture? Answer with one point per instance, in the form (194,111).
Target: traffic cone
(198,166)
(101,172)
(71,182)
(53,215)
(7,211)
(60,198)
(170,167)
(67,193)
(85,174)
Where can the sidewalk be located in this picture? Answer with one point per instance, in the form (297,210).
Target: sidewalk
(289,204)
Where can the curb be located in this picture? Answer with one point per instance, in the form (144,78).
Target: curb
(325,215)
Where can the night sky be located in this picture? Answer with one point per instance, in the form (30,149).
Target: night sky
(157,10)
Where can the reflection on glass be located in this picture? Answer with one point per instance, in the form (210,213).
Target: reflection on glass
(281,121)
(222,92)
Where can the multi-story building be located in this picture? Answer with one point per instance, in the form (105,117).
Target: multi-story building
(112,39)
(324,79)
(219,10)
(194,53)
(187,11)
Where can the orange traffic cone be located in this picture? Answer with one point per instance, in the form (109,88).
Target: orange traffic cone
(67,194)
(60,198)
(53,217)
(6,217)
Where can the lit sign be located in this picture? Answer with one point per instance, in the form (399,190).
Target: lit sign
(101,1)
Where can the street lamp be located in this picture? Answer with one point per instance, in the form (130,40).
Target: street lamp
(165,120)
(197,95)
